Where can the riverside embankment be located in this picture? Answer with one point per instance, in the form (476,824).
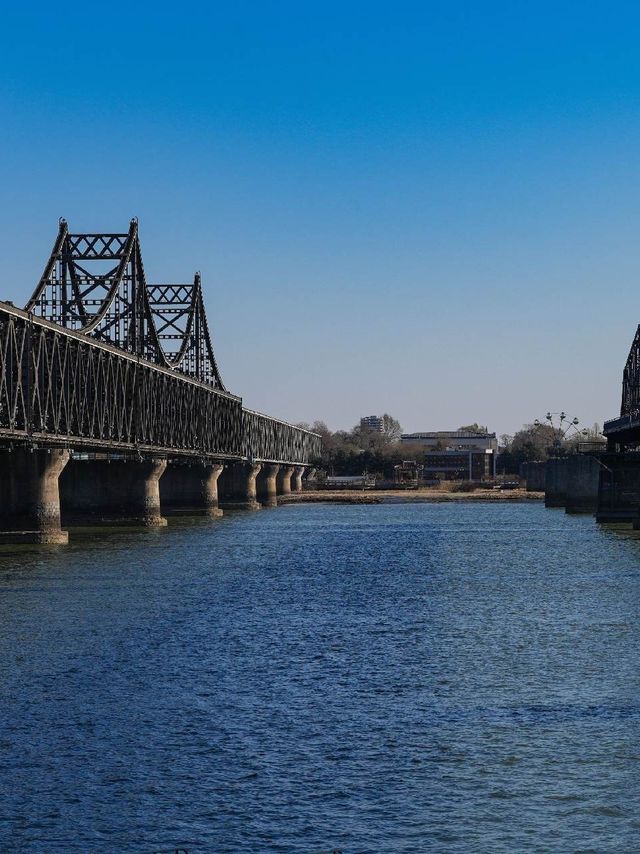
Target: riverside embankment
(404,496)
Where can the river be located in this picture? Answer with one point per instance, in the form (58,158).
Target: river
(385,678)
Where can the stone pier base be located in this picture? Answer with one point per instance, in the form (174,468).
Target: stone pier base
(283,483)
(29,495)
(296,479)
(266,485)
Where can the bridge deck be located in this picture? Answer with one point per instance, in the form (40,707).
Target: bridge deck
(625,429)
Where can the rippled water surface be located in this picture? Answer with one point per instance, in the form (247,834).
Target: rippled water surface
(397,678)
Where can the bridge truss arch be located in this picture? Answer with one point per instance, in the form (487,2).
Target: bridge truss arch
(95,284)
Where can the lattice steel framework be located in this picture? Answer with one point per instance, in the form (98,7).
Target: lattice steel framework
(95,284)
(59,387)
(181,327)
(631,379)
(269,440)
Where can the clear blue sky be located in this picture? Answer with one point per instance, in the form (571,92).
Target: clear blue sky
(430,209)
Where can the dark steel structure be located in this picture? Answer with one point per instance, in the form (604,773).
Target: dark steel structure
(95,284)
(625,430)
(101,360)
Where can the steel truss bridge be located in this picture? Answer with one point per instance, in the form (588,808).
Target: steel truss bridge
(625,430)
(101,360)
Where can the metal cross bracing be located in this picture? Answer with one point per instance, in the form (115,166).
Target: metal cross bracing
(62,388)
(625,430)
(95,284)
(102,360)
(270,440)
(631,379)
(181,327)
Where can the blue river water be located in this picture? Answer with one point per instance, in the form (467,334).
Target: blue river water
(396,677)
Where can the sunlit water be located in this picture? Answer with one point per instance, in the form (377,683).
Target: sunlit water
(397,678)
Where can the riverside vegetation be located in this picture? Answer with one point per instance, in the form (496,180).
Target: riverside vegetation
(362,450)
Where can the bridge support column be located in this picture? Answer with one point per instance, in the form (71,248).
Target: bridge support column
(284,480)
(555,482)
(30,500)
(583,476)
(296,480)
(619,488)
(119,492)
(238,486)
(534,475)
(191,489)
(266,485)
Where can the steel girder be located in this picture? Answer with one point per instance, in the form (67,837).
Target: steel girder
(59,387)
(269,440)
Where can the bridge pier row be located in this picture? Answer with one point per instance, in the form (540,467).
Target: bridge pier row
(191,489)
(619,488)
(296,478)
(238,487)
(118,492)
(283,483)
(555,482)
(266,485)
(29,495)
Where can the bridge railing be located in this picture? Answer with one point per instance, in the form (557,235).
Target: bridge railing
(267,439)
(624,422)
(59,386)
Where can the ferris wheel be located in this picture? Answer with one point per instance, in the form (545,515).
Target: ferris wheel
(563,426)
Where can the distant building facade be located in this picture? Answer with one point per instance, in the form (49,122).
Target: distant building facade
(374,423)
(455,454)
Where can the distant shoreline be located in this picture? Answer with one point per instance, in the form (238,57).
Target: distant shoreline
(408,496)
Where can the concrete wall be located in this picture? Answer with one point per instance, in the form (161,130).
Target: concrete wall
(619,488)
(555,482)
(534,475)
(583,477)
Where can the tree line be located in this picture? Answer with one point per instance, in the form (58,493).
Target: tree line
(363,450)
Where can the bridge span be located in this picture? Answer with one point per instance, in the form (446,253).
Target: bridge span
(112,406)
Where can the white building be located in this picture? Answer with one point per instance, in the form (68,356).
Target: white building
(452,440)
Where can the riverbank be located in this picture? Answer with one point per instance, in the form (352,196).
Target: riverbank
(404,496)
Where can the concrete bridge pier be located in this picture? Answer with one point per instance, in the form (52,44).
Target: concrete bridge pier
(284,480)
(296,480)
(119,492)
(238,486)
(583,477)
(533,473)
(266,485)
(555,482)
(619,488)
(29,495)
(191,489)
